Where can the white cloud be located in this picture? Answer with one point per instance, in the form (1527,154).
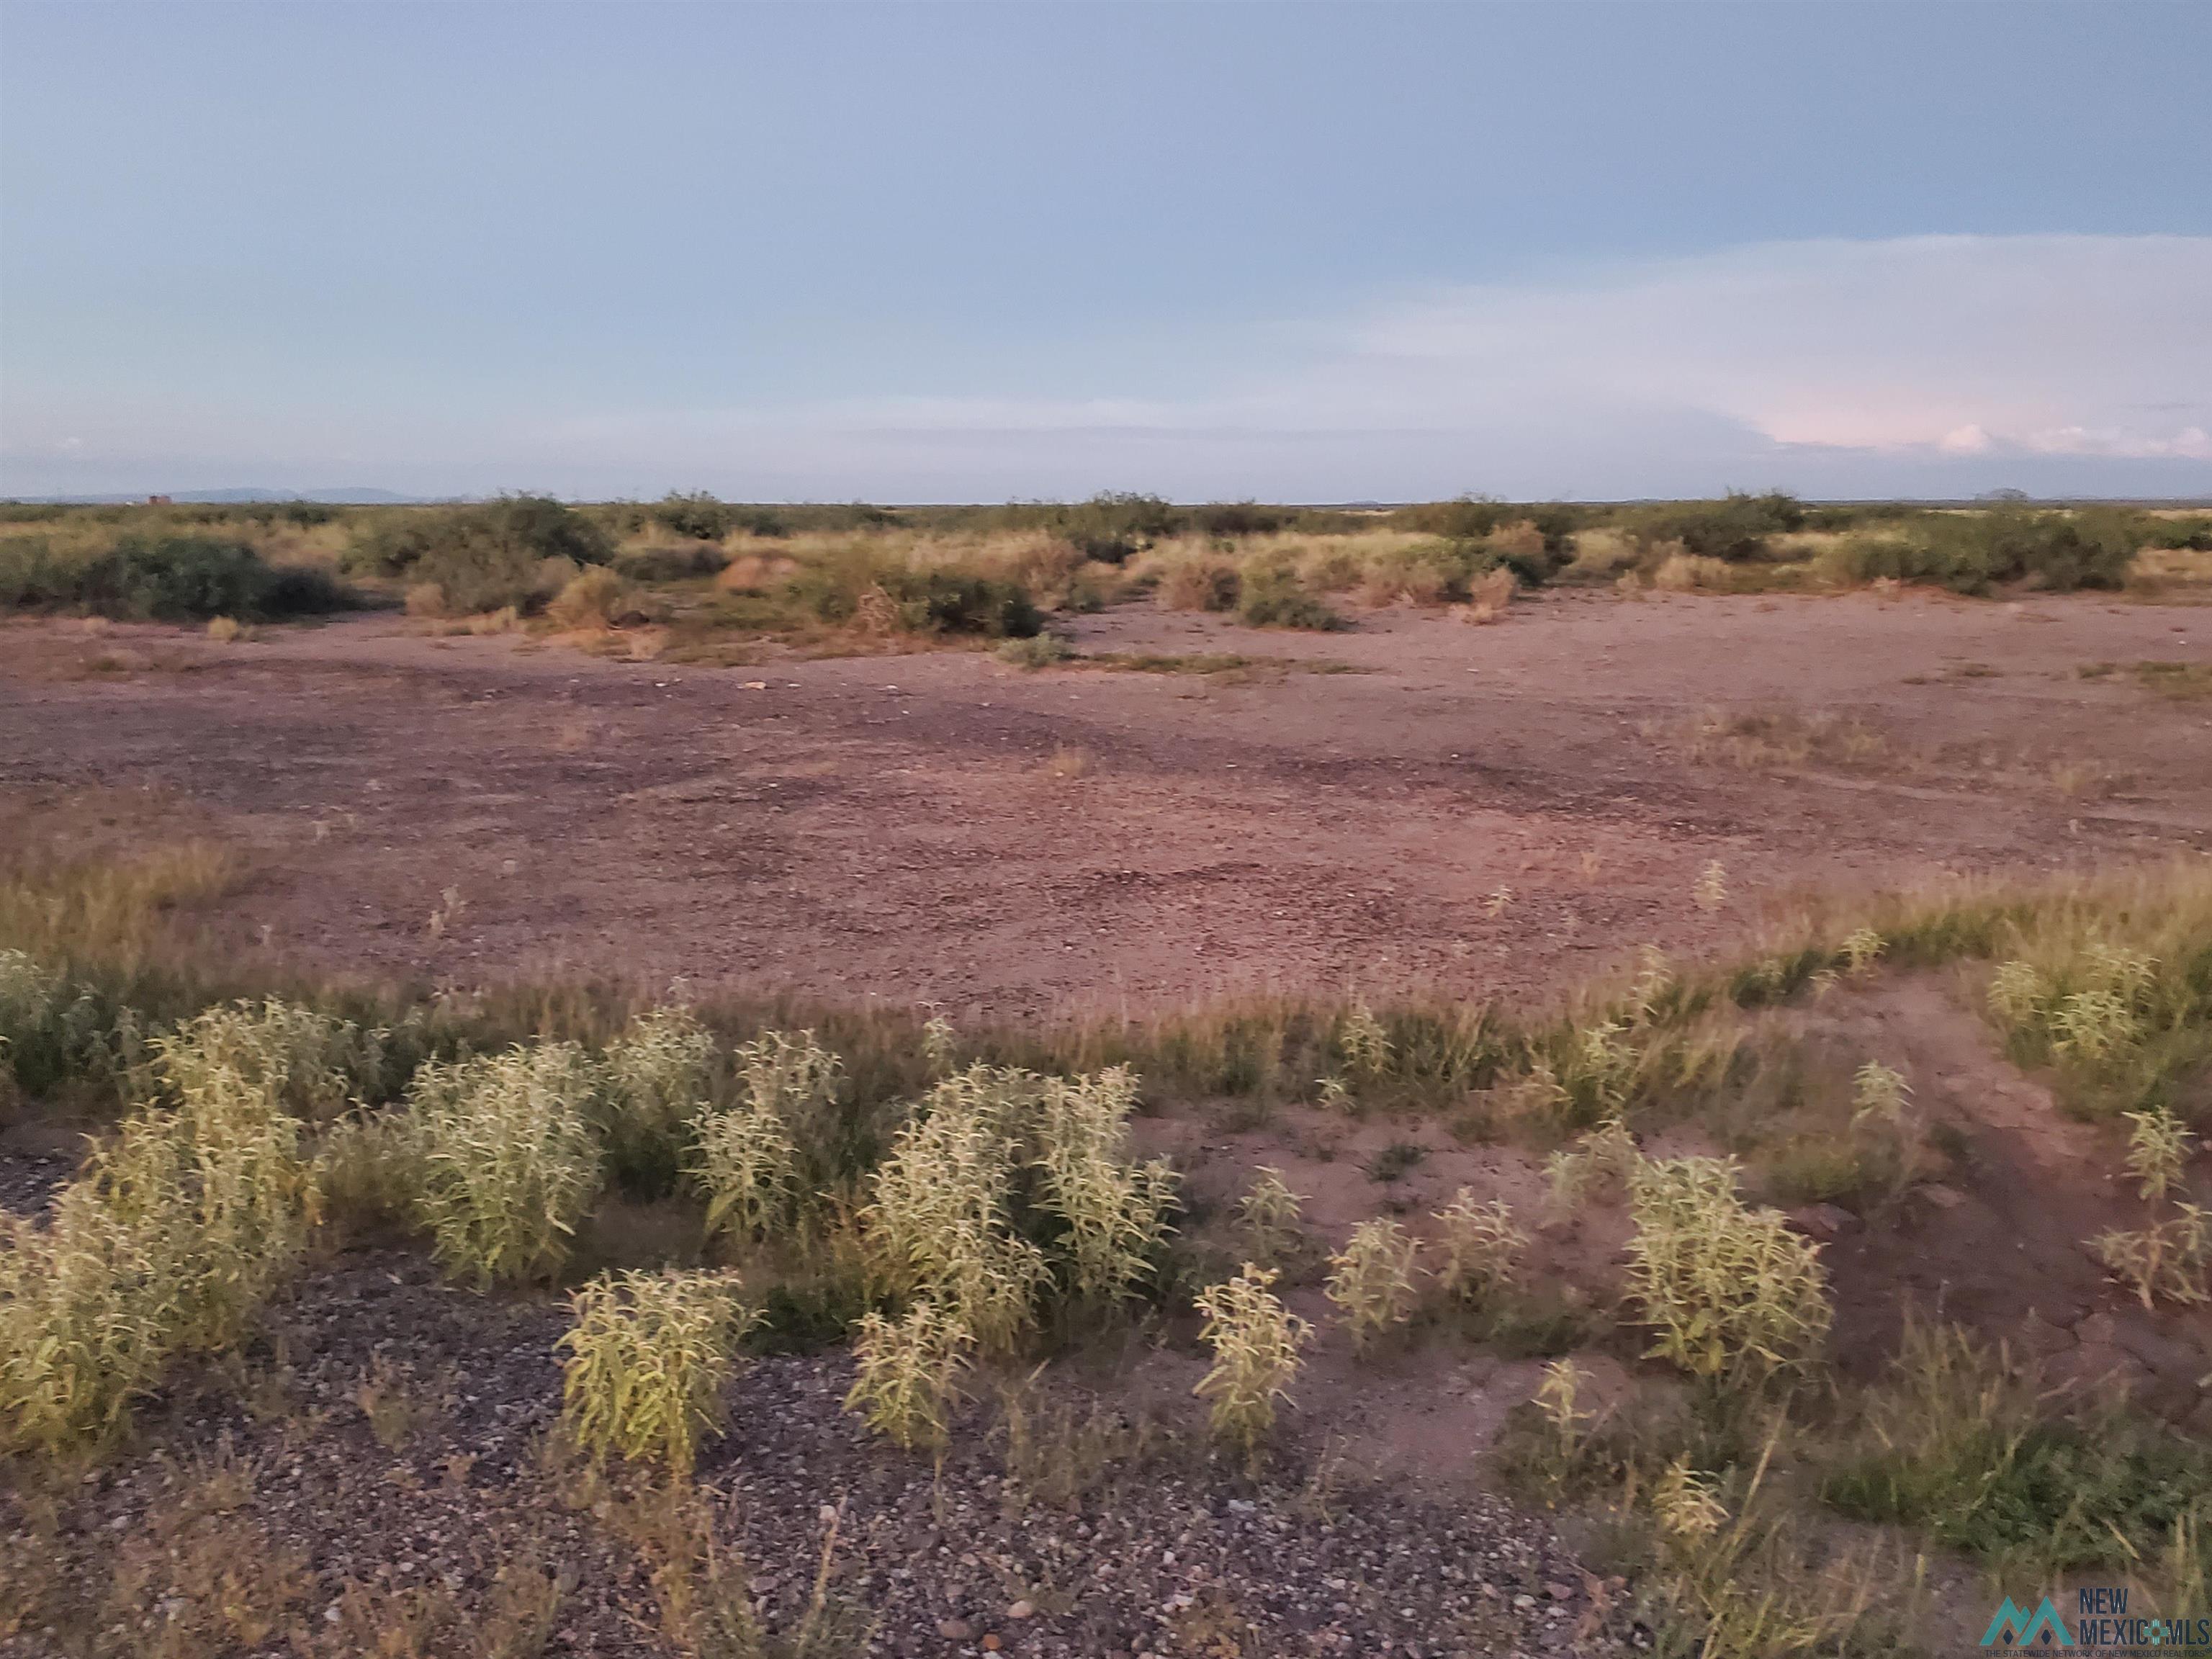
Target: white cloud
(1796,358)
(1932,365)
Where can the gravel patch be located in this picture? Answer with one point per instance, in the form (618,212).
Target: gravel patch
(391,1431)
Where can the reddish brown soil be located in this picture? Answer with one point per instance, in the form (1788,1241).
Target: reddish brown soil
(1480,809)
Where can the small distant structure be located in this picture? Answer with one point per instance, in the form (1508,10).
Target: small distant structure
(2003,496)
(158,501)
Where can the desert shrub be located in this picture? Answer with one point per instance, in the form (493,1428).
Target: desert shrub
(1732,529)
(509,1161)
(595,598)
(1971,553)
(1273,598)
(1425,572)
(1039,651)
(699,516)
(518,551)
(1112,527)
(1482,1248)
(862,588)
(1372,1279)
(2190,534)
(670,564)
(655,1080)
(173,579)
(647,1361)
(1729,1292)
(1469,517)
(1207,582)
(1235,519)
(907,1374)
(1255,1342)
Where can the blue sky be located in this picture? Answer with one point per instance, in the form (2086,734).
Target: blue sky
(930,251)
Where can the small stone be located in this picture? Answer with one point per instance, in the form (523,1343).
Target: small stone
(1559,1592)
(992,1644)
(1823,1221)
(1021,1610)
(956,1630)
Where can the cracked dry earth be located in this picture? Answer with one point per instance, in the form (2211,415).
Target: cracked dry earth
(1475,810)
(1159,1549)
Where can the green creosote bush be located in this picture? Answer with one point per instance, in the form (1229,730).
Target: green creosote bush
(509,1161)
(1273,598)
(699,516)
(646,1361)
(518,551)
(863,588)
(1973,553)
(1255,1342)
(907,1374)
(596,599)
(173,579)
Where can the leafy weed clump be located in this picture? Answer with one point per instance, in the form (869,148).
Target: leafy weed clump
(177,1229)
(908,1374)
(1372,1279)
(1729,1292)
(1255,1342)
(654,1081)
(509,1160)
(647,1361)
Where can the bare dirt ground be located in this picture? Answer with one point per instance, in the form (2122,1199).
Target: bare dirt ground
(1475,810)
(1498,810)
